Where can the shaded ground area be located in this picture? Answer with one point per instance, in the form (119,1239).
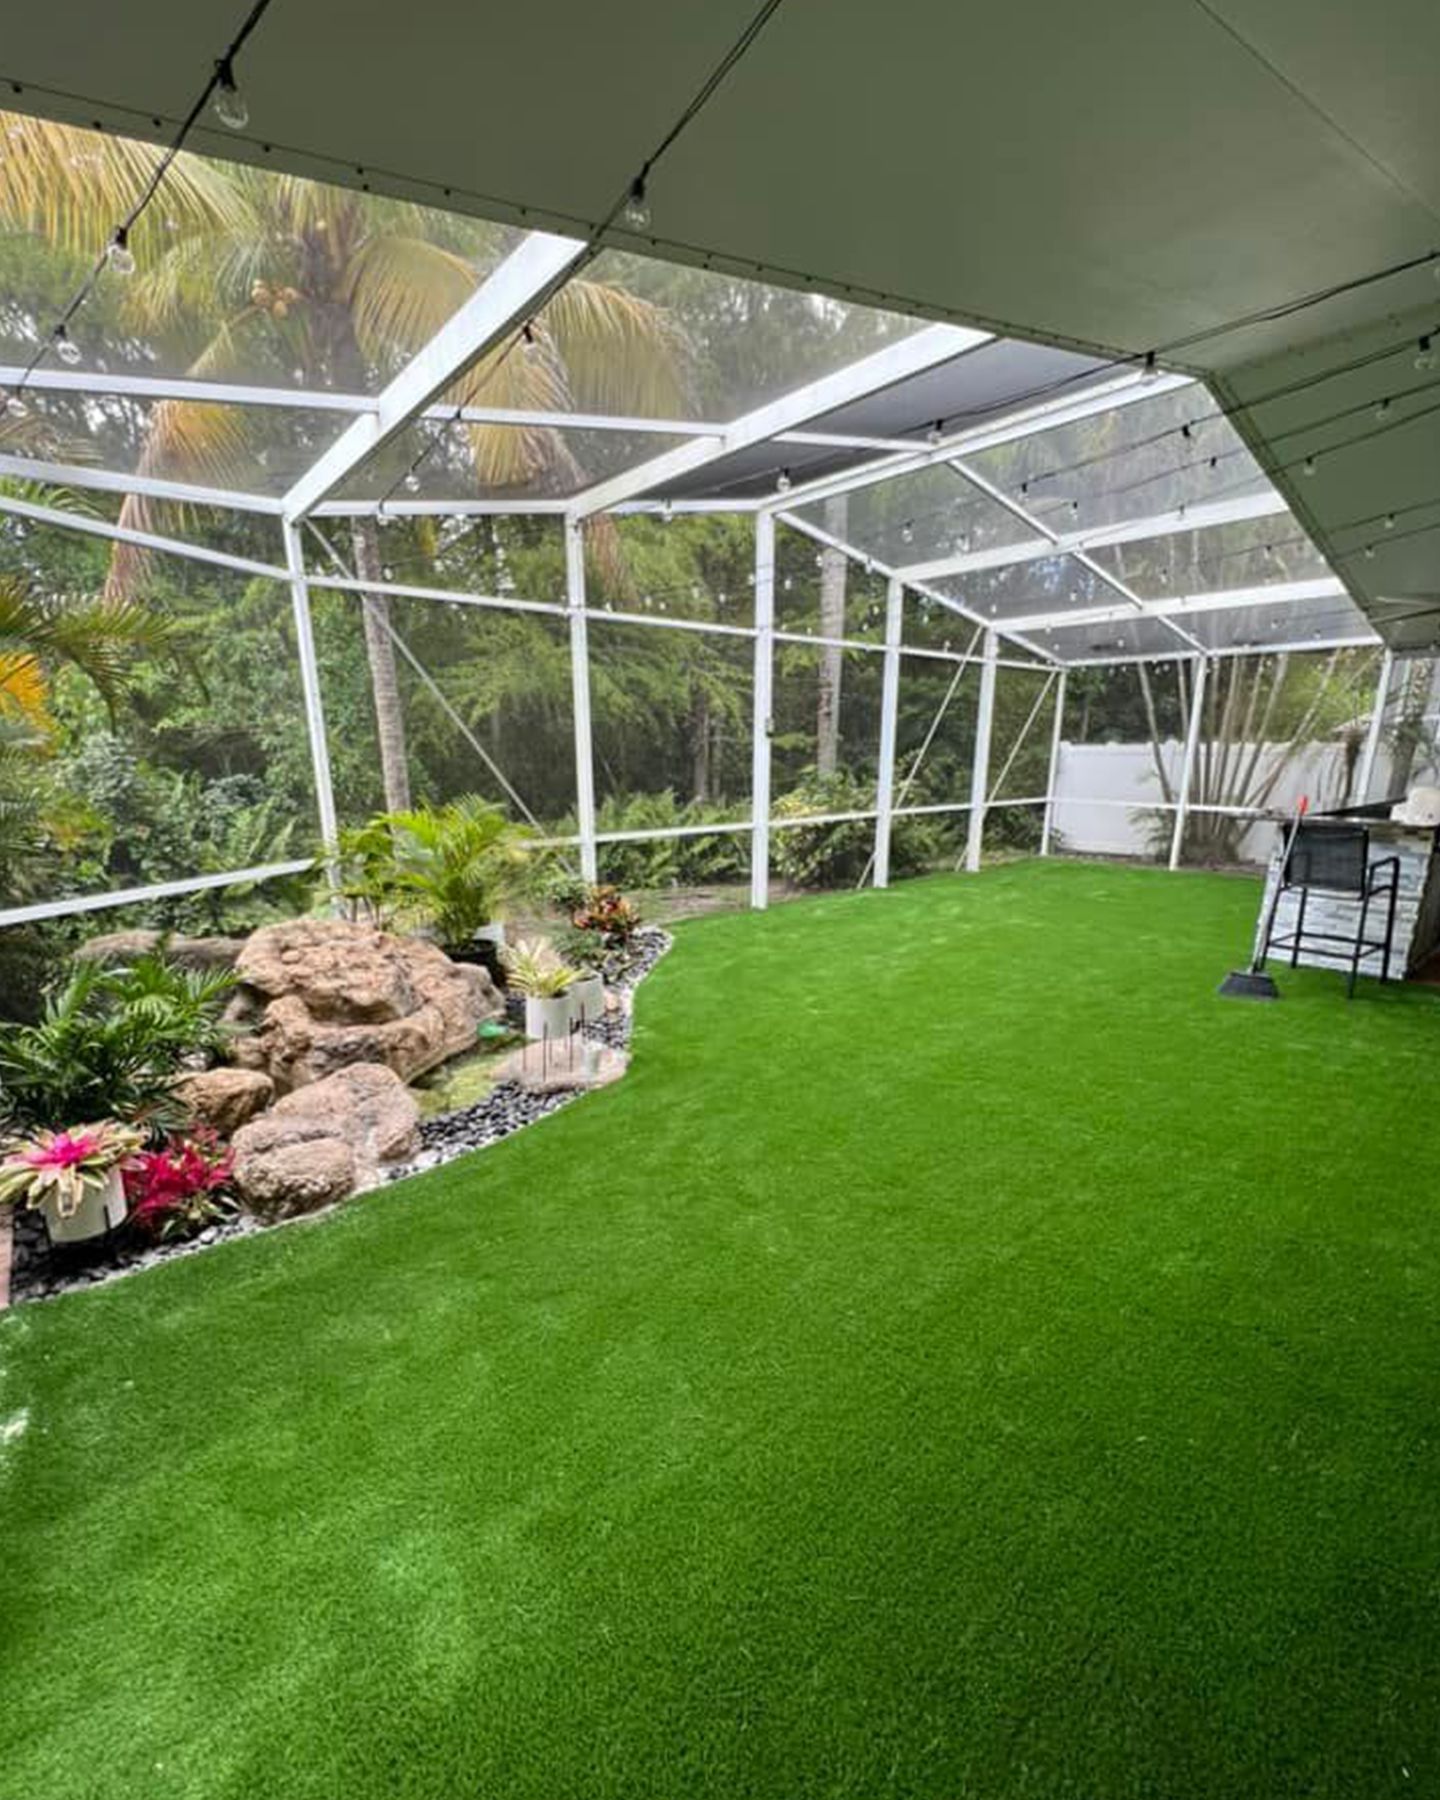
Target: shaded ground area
(964,1358)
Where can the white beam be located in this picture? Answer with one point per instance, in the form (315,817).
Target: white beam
(90,526)
(112,481)
(1366,772)
(310,691)
(505,302)
(871,563)
(1192,740)
(1007,428)
(1166,524)
(980,769)
(922,350)
(94,384)
(889,721)
(1047,827)
(762,703)
(1023,513)
(580,696)
(1275,593)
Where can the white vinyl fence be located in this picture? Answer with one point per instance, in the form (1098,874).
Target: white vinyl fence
(1108,799)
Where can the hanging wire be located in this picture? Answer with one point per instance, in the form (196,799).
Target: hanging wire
(221,76)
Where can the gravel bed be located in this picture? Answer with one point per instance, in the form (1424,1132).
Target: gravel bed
(40,1271)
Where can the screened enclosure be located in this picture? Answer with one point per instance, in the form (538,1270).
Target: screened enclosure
(648,555)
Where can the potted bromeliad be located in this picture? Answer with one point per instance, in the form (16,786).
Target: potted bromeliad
(74,1178)
(535,971)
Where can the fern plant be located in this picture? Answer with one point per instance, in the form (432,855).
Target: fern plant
(447,869)
(110,1042)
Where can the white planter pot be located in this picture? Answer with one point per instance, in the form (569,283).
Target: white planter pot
(547,1017)
(493,933)
(587,1000)
(101,1210)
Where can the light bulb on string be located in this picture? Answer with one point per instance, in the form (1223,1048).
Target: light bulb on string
(412,482)
(16,408)
(229,102)
(907,532)
(935,433)
(1151,371)
(1309,466)
(1382,412)
(1389,521)
(636,211)
(119,256)
(782,482)
(1424,354)
(1370,552)
(65,346)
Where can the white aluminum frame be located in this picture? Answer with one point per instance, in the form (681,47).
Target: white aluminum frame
(501,307)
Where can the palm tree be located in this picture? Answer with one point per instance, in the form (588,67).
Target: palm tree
(257,273)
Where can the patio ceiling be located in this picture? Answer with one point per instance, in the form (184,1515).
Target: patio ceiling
(1113,179)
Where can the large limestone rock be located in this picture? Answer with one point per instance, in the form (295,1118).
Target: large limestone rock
(317,995)
(225,1099)
(322,1141)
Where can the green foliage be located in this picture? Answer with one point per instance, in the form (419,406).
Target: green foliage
(837,853)
(447,869)
(699,861)
(110,1042)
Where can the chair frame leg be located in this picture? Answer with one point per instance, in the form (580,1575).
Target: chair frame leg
(1299,929)
(1359,943)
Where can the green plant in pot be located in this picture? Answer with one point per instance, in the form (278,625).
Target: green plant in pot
(535,972)
(74,1177)
(445,870)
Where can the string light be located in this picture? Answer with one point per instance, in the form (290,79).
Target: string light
(229,102)
(907,532)
(65,346)
(1151,370)
(1424,353)
(1382,411)
(120,256)
(783,482)
(1309,466)
(636,211)
(1389,521)
(934,434)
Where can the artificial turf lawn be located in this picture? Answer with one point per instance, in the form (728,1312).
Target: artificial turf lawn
(964,1358)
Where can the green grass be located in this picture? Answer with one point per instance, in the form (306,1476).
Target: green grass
(965,1358)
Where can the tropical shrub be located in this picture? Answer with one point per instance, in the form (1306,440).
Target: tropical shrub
(181,1188)
(59,1168)
(606,911)
(111,1040)
(700,861)
(837,853)
(446,869)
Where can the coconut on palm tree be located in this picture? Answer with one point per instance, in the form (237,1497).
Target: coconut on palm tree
(253,273)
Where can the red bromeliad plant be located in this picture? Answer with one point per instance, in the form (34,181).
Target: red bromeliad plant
(181,1188)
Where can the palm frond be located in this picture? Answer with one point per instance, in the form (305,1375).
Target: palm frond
(621,353)
(72,187)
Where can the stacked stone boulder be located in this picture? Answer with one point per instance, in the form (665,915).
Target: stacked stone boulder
(336,1018)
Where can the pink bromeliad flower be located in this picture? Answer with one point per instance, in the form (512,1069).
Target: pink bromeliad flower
(58,1168)
(64,1149)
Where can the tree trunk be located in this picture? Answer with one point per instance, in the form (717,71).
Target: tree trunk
(380,654)
(699,742)
(834,567)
